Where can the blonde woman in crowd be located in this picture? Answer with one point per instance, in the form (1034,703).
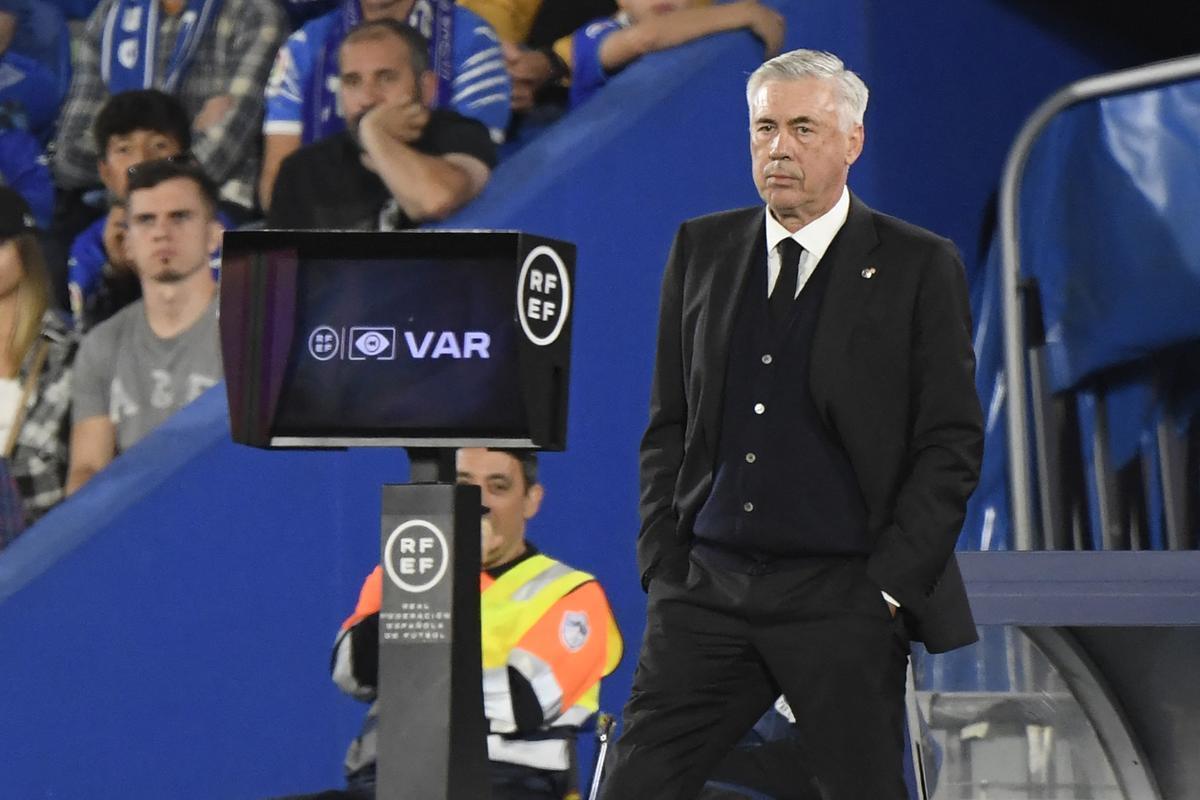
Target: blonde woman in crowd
(36,348)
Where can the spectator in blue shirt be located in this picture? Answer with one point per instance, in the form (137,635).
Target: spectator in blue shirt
(604,47)
(35,64)
(23,168)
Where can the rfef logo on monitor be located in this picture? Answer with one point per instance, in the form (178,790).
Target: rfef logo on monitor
(416,556)
(323,343)
(543,295)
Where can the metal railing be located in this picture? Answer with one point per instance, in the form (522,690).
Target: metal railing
(1109,84)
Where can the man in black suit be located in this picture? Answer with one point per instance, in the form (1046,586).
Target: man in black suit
(814,436)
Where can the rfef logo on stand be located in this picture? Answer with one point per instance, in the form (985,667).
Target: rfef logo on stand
(543,295)
(416,556)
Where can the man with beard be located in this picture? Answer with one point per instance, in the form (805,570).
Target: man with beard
(301,98)
(399,163)
(155,356)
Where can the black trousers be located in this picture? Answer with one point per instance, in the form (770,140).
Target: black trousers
(724,642)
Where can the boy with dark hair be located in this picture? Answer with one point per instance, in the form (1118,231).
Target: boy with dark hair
(213,56)
(138,110)
(157,355)
(132,127)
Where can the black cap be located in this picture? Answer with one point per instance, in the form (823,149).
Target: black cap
(15,216)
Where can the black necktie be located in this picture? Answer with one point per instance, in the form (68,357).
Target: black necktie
(780,302)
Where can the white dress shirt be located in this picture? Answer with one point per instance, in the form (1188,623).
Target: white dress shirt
(815,238)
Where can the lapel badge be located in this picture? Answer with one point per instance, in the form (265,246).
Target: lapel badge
(868,273)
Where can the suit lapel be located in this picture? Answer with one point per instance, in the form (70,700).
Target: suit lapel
(845,298)
(732,260)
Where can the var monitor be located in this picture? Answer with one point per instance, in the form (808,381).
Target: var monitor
(408,338)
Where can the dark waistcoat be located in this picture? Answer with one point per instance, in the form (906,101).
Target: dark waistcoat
(783,486)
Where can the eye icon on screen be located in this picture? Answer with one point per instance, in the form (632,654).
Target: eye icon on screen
(375,343)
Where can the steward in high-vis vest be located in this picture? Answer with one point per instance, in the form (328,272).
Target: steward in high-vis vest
(548,638)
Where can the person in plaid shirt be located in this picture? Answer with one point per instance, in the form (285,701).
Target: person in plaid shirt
(36,350)
(214,55)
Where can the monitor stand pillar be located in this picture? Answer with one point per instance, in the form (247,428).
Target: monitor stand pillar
(432,732)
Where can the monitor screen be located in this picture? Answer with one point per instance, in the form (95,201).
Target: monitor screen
(415,338)
(432,355)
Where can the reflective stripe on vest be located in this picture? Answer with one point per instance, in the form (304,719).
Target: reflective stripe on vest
(549,754)
(518,599)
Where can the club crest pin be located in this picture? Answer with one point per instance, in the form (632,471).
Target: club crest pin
(868,273)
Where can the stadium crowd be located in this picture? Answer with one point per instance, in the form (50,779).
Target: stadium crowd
(132,132)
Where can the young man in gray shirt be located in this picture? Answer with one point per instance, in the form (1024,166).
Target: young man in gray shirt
(141,366)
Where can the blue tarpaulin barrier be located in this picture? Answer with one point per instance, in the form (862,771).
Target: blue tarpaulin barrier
(1108,232)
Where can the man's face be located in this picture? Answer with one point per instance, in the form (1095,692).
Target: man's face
(171,231)
(510,502)
(127,149)
(373,72)
(799,148)
(386,9)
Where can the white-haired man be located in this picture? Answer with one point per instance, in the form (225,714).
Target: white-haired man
(814,436)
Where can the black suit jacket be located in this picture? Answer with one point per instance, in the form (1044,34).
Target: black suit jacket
(892,375)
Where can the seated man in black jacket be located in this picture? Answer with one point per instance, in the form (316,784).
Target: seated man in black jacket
(399,163)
